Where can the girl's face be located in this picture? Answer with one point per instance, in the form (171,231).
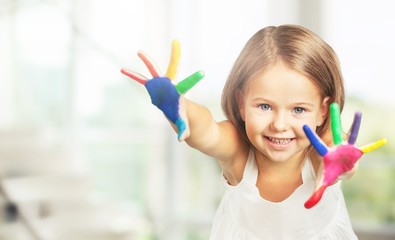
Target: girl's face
(275,105)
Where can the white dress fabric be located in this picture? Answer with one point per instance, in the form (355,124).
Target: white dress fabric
(244,215)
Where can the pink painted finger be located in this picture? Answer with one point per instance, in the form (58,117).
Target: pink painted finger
(136,76)
(152,68)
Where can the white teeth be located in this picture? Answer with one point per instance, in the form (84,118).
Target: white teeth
(280,141)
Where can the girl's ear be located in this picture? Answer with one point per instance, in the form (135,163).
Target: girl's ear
(240,103)
(324,111)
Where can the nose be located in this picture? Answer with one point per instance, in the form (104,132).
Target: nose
(280,122)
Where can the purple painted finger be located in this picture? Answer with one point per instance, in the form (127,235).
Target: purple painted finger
(355,128)
(315,141)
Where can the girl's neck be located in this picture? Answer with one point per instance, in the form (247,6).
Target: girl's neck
(278,180)
(266,165)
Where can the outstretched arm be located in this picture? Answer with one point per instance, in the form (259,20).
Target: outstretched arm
(193,122)
(219,140)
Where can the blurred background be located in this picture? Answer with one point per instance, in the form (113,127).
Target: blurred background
(84,155)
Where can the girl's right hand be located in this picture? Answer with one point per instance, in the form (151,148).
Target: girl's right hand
(164,94)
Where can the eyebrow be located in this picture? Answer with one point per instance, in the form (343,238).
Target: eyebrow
(305,103)
(255,99)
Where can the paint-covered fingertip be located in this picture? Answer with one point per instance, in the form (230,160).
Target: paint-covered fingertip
(372,146)
(135,76)
(315,198)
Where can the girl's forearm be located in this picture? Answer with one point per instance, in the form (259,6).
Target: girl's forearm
(203,127)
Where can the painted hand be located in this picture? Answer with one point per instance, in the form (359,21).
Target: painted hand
(164,94)
(340,158)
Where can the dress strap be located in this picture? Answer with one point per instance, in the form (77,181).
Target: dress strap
(250,173)
(308,170)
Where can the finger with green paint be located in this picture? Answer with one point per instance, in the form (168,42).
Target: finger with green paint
(164,94)
(340,158)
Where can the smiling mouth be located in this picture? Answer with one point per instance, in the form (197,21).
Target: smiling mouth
(279,141)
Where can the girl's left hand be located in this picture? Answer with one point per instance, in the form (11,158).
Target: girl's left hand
(340,159)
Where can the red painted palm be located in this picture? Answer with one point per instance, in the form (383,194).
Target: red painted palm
(340,158)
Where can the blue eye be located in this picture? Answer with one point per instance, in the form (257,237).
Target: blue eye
(299,110)
(265,107)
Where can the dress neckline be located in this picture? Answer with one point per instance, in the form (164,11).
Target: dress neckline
(250,176)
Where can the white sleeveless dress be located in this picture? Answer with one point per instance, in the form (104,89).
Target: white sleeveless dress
(244,215)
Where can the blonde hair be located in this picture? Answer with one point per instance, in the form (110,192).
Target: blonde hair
(301,50)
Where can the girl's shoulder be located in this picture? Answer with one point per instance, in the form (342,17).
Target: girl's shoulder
(233,163)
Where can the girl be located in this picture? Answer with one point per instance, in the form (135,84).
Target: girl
(284,78)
